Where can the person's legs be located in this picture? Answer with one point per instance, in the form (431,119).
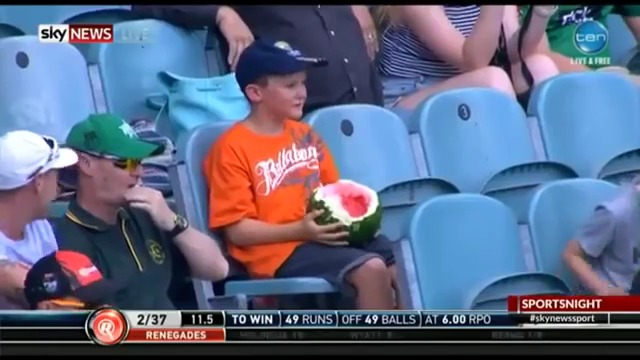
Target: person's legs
(347,268)
(490,76)
(381,245)
(541,67)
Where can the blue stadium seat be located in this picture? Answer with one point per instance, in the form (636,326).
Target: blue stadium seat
(43,87)
(6,27)
(590,121)
(190,191)
(26,18)
(129,71)
(622,43)
(557,211)
(371,145)
(57,209)
(467,255)
(479,139)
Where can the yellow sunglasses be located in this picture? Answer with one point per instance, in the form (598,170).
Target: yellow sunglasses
(127,164)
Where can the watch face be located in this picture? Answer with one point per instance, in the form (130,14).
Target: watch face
(181,221)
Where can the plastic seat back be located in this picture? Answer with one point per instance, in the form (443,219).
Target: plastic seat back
(471,134)
(7,28)
(43,88)
(191,151)
(558,210)
(467,253)
(622,43)
(369,144)
(587,119)
(479,139)
(129,69)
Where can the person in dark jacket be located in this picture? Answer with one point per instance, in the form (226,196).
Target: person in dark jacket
(343,35)
(231,27)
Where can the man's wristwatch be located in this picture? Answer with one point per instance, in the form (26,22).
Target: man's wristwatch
(180,225)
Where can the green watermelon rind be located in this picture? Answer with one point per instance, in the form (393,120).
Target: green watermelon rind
(360,232)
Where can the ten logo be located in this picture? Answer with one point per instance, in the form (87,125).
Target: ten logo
(591,37)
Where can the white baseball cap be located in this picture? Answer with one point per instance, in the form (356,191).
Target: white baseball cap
(24,154)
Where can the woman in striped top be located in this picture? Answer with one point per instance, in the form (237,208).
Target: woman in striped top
(431,48)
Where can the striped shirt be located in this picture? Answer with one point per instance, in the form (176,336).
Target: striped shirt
(403,55)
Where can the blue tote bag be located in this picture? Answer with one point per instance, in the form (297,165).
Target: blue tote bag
(196,101)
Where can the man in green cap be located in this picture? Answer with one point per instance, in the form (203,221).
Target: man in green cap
(126,229)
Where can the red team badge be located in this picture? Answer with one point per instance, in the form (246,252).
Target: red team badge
(107,327)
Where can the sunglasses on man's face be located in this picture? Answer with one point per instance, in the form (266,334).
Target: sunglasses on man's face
(129,165)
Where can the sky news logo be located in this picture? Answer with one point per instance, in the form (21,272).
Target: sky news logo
(76,33)
(94,33)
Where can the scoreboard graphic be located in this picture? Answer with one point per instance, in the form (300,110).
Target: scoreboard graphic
(526,320)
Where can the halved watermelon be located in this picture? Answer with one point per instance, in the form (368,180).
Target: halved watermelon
(352,204)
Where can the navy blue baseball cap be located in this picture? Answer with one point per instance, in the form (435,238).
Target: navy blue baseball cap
(264,58)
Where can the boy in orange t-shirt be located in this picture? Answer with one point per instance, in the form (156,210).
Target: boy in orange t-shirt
(261,173)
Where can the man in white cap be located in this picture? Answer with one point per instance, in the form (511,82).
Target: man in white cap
(29,165)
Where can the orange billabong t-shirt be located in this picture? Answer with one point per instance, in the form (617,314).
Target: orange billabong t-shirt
(268,178)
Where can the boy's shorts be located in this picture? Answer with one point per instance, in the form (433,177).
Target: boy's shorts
(333,263)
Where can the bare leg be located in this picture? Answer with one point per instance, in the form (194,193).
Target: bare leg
(491,77)
(372,281)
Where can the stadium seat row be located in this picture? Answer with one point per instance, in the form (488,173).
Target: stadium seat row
(471,140)
(458,145)
(124,77)
(454,250)
(459,249)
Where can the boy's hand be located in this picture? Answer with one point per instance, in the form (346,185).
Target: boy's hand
(326,234)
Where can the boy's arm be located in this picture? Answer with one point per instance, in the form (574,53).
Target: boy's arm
(594,237)
(232,207)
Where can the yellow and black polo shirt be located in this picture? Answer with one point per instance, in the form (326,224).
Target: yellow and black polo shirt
(133,250)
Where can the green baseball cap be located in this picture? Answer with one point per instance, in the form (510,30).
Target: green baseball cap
(110,135)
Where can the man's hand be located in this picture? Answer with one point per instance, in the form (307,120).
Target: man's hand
(152,201)
(330,234)
(235,31)
(368,28)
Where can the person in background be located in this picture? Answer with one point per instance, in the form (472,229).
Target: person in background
(224,18)
(129,231)
(67,280)
(561,31)
(605,255)
(258,201)
(345,36)
(29,165)
(431,48)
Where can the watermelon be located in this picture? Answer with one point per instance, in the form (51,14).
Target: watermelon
(354,205)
